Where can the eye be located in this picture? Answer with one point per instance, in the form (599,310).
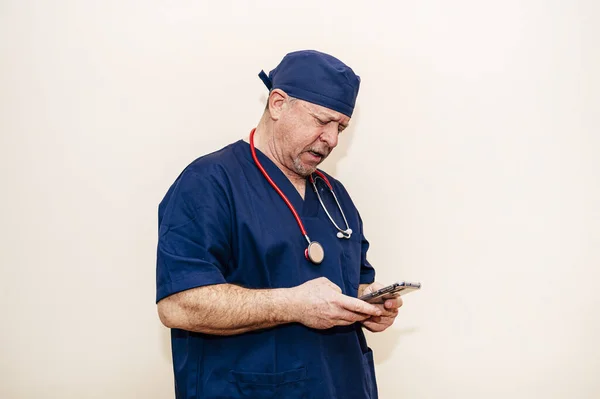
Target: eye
(320,122)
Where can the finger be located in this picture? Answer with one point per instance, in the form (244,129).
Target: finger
(357,306)
(382,322)
(351,317)
(393,312)
(390,313)
(373,327)
(372,288)
(386,321)
(393,303)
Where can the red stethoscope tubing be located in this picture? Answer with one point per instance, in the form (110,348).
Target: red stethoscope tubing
(272,183)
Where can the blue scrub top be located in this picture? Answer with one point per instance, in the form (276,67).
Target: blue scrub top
(221,222)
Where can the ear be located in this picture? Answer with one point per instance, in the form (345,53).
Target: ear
(277,103)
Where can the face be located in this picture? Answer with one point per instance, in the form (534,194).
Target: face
(305,134)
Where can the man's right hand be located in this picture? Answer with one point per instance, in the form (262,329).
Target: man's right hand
(320,304)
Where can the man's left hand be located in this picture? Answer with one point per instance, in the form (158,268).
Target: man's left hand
(389,311)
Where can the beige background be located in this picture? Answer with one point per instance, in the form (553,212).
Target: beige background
(473,158)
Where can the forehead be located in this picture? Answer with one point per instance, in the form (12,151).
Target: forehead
(325,113)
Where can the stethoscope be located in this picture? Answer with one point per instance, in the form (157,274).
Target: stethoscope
(314,252)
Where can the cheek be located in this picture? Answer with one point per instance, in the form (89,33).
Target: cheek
(298,135)
(298,140)
(308,136)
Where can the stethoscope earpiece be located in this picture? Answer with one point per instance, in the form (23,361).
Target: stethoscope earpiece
(344,234)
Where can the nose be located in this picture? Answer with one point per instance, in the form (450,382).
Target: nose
(330,135)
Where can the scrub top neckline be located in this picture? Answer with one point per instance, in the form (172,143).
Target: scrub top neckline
(307,207)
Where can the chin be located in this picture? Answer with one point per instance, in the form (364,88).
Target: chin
(304,170)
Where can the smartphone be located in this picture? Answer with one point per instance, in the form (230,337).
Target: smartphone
(391,291)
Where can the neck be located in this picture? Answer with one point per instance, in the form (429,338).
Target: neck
(264,141)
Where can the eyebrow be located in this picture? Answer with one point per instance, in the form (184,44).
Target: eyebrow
(330,117)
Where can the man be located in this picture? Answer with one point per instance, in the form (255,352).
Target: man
(259,265)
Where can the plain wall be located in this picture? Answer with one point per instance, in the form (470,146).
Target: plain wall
(472,156)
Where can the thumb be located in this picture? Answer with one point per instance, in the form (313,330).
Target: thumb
(373,287)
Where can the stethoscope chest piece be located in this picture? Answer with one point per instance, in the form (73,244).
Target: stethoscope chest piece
(315,252)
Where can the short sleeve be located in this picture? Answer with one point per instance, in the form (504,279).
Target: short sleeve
(194,233)
(367,272)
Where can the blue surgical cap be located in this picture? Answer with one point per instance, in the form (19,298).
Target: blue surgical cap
(317,78)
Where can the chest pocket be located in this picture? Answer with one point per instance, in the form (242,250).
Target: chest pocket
(350,259)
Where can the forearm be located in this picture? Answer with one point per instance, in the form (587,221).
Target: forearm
(226,309)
